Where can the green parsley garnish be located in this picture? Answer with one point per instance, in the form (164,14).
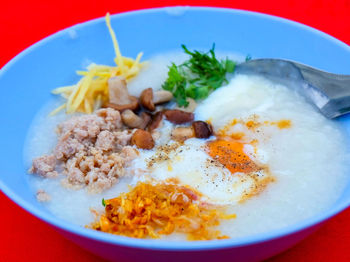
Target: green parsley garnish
(198,76)
(103,202)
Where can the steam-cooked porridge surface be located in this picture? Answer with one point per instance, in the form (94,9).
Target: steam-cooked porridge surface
(182,147)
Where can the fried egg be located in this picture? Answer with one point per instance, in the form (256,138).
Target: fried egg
(231,166)
(219,171)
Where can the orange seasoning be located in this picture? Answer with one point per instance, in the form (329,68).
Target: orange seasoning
(253,124)
(148,211)
(282,124)
(231,155)
(237,135)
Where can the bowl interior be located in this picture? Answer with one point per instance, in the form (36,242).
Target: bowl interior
(27,80)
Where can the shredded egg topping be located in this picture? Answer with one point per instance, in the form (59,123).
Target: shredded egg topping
(92,89)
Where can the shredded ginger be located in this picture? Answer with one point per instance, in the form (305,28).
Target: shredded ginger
(148,211)
(92,90)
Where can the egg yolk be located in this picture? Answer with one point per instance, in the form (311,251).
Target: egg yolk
(231,155)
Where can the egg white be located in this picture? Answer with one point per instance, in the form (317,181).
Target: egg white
(243,98)
(191,166)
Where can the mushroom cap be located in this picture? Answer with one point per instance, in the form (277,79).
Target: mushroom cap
(146,99)
(177,116)
(117,91)
(146,118)
(202,129)
(133,105)
(156,121)
(142,139)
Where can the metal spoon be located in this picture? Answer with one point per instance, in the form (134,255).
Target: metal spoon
(330,93)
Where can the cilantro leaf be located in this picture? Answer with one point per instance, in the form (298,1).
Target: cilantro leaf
(103,202)
(230,66)
(198,76)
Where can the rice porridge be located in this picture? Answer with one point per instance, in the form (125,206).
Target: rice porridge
(270,160)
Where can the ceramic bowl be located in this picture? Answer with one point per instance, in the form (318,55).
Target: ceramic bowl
(26,82)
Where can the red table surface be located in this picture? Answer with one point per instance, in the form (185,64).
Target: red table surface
(24,22)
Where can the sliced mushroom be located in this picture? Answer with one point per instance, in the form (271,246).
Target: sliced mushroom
(146,99)
(182,133)
(118,92)
(149,99)
(177,116)
(146,120)
(134,121)
(202,129)
(162,96)
(119,97)
(156,121)
(142,139)
(133,105)
(191,105)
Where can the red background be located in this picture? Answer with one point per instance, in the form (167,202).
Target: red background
(24,22)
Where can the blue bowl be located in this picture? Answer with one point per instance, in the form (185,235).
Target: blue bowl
(26,82)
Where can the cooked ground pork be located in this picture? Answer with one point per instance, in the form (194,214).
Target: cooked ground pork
(42,196)
(93,150)
(44,166)
(105,141)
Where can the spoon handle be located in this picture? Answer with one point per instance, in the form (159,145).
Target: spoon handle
(329,92)
(336,88)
